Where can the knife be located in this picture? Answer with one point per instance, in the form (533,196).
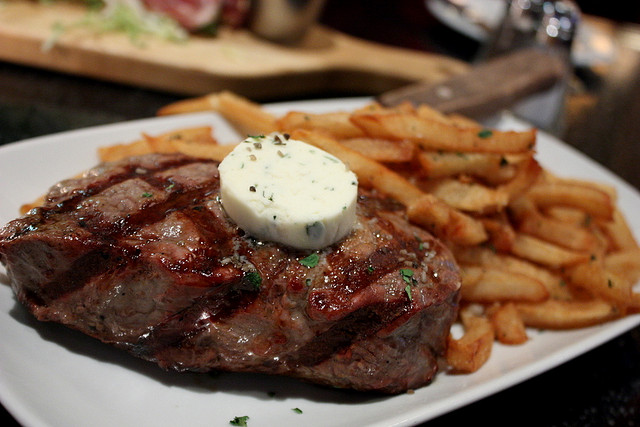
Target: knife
(488,87)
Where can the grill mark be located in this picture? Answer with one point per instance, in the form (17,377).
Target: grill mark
(179,328)
(151,213)
(96,262)
(43,213)
(112,253)
(330,302)
(355,326)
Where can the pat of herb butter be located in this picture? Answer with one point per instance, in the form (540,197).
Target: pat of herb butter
(287,191)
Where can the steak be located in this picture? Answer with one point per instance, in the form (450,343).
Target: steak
(140,254)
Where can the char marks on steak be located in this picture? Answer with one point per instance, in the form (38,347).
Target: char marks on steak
(140,254)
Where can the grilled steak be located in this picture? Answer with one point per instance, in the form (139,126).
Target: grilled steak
(140,254)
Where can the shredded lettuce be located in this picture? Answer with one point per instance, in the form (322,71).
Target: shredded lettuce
(121,16)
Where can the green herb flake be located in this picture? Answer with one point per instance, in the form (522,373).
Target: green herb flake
(369,270)
(407,289)
(310,261)
(147,194)
(407,275)
(239,421)
(297,410)
(332,159)
(485,133)
(254,278)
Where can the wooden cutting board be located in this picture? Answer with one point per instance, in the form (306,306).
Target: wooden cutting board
(236,60)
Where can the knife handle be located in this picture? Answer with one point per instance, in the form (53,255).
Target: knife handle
(488,87)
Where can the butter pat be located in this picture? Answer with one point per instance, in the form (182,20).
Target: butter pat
(287,191)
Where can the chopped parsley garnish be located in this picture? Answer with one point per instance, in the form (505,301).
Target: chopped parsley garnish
(331,158)
(239,421)
(297,410)
(407,275)
(310,261)
(254,278)
(407,289)
(485,133)
(147,194)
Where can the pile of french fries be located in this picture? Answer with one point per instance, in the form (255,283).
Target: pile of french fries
(535,250)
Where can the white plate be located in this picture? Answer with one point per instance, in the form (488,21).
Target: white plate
(51,376)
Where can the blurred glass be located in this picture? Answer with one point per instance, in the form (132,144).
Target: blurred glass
(550,25)
(284,21)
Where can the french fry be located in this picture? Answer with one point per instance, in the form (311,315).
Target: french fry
(338,125)
(204,151)
(507,323)
(624,263)
(618,232)
(478,255)
(598,282)
(163,143)
(489,284)
(490,167)
(599,186)
(191,105)
(446,222)
(464,121)
(530,221)
(468,353)
(528,172)
(430,113)
(559,314)
(247,117)
(120,151)
(545,253)
(382,150)
(500,231)
(591,200)
(468,196)
(432,134)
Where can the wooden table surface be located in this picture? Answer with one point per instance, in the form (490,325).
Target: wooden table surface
(601,387)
